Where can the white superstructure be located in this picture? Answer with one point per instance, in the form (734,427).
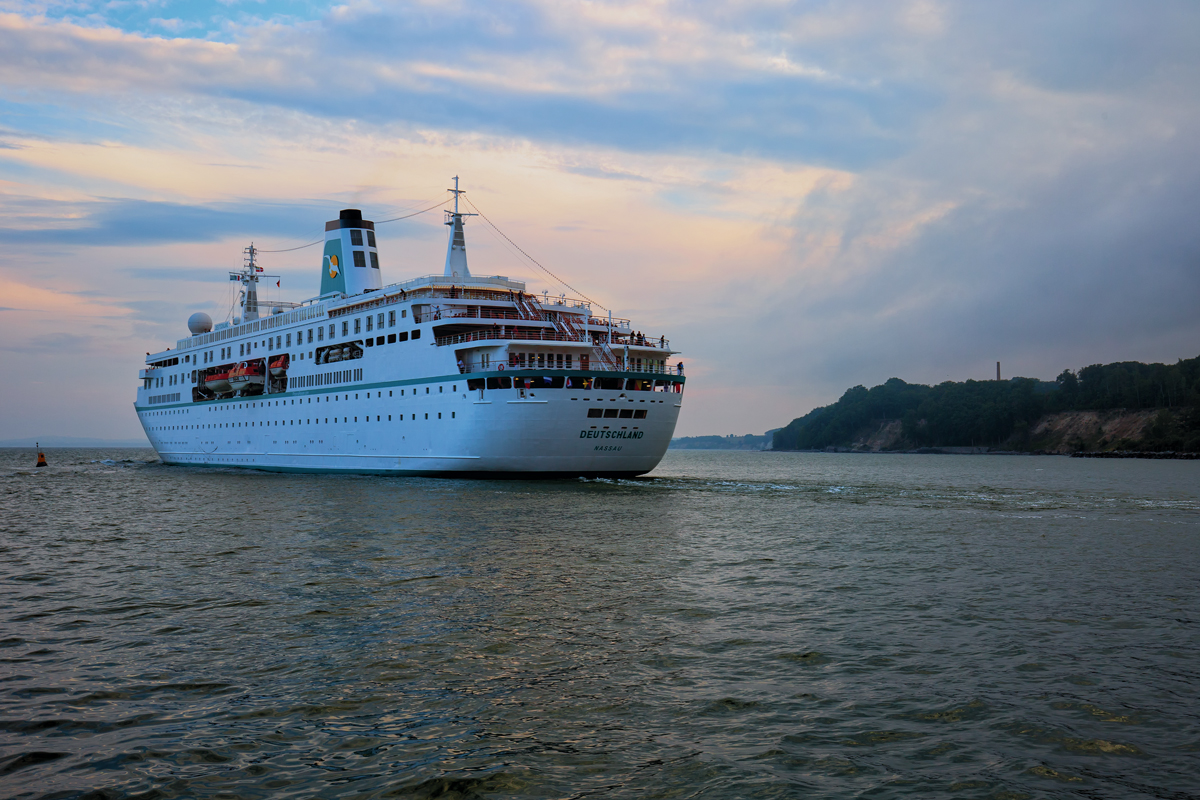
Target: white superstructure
(449,373)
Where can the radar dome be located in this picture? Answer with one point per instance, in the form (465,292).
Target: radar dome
(199,323)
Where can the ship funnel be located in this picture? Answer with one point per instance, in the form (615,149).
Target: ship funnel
(350,264)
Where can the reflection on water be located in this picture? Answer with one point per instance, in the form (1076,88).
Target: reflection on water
(740,625)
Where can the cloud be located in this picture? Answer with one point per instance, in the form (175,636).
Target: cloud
(803,196)
(524,70)
(108,222)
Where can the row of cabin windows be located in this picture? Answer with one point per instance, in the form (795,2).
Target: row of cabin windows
(317,334)
(356,238)
(360,259)
(575,382)
(454,415)
(546,360)
(285,422)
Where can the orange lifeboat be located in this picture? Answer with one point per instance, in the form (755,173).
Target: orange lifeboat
(279,366)
(245,375)
(218,383)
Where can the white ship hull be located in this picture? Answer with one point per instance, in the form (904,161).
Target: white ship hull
(441,375)
(371,428)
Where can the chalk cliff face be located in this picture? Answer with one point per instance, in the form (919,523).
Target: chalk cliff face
(1074,431)
(1063,432)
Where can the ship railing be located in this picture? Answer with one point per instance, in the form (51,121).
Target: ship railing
(537,335)
(603,322)
(466,313)
(584,364)
(566,334)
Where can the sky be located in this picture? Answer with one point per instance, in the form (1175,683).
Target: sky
(802,196)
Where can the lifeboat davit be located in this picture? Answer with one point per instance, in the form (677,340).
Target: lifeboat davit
(218,383)
(279,366)
(245,375)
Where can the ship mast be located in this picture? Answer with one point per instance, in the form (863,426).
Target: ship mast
(248,277)
(456,248)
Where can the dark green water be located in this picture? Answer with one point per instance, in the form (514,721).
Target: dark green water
(743,625)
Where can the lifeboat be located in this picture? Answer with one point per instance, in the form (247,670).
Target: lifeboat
(218,383)
(245,375)
(279,366)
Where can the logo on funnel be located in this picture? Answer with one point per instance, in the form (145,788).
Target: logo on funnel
(331,262)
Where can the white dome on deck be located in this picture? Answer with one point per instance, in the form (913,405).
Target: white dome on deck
(199,323)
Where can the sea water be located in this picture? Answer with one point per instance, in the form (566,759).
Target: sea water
(736,625)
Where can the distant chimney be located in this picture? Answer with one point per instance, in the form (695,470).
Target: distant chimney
(997,370)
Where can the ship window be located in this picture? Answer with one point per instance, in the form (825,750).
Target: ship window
(370,324)
(440,388)
(360,259)
(569,361)
(370,238)
(379,320)
(639,414)
(357,325)
(626,413)
(475,383)
(356,238)
(279,341)
(310,335)
(321,334)
(331,331)
(391,319)
(416,334)
(289,340)
(345,328)
(391,338)
(402,337)
(379,340)
(374,260)
(426,416)
(609,413)
(426,390)
(595,413)
(403,313)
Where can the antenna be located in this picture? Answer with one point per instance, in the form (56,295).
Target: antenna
(456,248)
(248,277)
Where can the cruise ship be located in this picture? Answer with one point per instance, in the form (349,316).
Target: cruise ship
(451,374)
